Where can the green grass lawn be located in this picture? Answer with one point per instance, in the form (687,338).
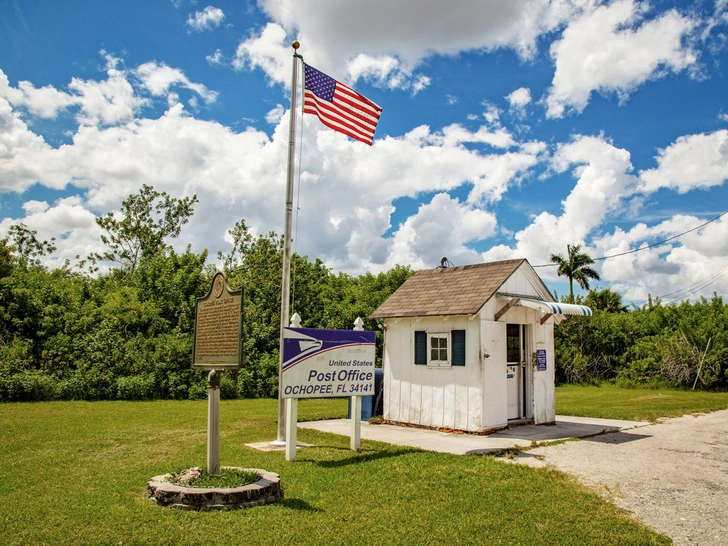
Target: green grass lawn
(76,473)
(610,402)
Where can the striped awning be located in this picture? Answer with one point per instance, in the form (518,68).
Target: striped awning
(555,308)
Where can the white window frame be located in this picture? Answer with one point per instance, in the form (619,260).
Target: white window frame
(439,363)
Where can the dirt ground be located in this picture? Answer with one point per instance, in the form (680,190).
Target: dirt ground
(673,475)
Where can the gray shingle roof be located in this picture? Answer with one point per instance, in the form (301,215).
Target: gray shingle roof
(447,291)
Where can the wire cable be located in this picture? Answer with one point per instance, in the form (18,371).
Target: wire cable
(698,286)
(648,246)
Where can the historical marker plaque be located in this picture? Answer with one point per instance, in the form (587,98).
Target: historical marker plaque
(218,327)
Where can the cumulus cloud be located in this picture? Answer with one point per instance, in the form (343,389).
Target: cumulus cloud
(268,51)
(607,187)
(275,115)
(610,49)
(387,40)
(385,71)
(74,227)
(158,78)
(348,190)
(519,99)
(45,102)
(117,99)
(604,181)
(206,19)
(441,227)
(691,162)
(215,58)
(20,149)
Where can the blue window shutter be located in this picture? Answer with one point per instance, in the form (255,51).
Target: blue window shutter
(458,347)
(420,347)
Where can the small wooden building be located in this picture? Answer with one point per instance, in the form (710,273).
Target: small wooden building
(471,348)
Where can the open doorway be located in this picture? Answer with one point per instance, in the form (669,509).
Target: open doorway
(517,371)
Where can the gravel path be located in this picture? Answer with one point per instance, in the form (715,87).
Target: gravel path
(673,476)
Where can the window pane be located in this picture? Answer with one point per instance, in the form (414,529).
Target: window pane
(513,342)
(443,355)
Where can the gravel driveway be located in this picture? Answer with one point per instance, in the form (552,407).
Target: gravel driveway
(673,476)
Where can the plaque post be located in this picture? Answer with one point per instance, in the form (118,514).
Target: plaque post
(213,423)
(356,405)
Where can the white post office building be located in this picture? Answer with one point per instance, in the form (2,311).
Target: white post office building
(471,348)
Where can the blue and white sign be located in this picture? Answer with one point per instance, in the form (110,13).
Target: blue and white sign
(541,360)
(327,363)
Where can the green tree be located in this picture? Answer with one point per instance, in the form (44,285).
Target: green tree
(575,266)
(26,246)
(605,300)
(147,218)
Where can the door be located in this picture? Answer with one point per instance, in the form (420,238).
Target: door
(515,360)
(494,400)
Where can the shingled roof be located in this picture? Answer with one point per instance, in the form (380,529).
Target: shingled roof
(447,290)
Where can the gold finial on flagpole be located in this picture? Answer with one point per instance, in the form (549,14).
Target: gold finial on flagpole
(296,44)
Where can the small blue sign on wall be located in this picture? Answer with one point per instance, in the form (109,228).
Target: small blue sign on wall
(541,360)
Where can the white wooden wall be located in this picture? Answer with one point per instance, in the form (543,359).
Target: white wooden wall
(428,396)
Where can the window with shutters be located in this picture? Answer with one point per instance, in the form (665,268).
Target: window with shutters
(440,349)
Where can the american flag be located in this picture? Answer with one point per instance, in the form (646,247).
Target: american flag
(339,107)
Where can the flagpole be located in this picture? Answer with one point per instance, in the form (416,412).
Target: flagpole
(286,282)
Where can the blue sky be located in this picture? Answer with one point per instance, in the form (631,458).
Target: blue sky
(509,130)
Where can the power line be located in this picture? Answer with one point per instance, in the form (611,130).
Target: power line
(696,287)
(648,246)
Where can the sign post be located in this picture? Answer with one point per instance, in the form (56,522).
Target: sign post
(217,346)
(321,363)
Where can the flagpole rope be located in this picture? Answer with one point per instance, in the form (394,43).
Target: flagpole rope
(298,207)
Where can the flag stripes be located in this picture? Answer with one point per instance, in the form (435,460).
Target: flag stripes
(339,107)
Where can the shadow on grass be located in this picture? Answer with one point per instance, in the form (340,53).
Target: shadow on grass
(299,504)
(361,458)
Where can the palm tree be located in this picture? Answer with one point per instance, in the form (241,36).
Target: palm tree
(575,267)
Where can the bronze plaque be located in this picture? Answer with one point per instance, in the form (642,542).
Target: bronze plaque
(218,327)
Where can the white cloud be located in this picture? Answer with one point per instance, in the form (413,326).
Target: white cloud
(45,102)
(106,102)
(603,183)
(605,188)
(385,71)
(267,51)
(158,78)
(608,50)
(20,149)
(691,162)
(420,83)
(73,226)
(215,58)
(440,228)
(415,29)
(33,206)
(206,19)
(348,189)
(519,99)
(665,269)
(336,35)
(275,115)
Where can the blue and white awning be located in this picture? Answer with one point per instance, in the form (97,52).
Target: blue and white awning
(554,308)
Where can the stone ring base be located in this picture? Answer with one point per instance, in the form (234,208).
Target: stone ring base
(266,490)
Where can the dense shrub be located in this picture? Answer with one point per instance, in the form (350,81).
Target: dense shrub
(679,345)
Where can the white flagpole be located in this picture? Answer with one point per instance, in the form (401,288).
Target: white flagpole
(286,283)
